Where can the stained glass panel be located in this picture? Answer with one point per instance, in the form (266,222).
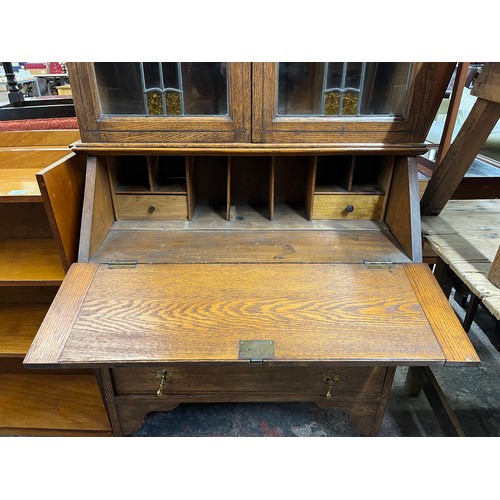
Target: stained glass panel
(342,89)
(145,89)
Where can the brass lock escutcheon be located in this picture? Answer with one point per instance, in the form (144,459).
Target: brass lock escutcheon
(330,378)
(164,377)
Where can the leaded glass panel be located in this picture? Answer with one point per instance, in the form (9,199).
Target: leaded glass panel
(162,89)
(343,89)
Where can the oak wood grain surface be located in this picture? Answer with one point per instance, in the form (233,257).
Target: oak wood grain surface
(402,214)
(17,172)
(163,313)
(19,324)
(61,185)
(152,207)
(56,326)
(304,382)
(333,206)
(455,343)
(59,402)
(248,246)
(231,149)
(39,138)
(94,126)
(98,211)
(27,262)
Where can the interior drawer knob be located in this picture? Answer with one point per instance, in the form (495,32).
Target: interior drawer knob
(349,208)
(151,209)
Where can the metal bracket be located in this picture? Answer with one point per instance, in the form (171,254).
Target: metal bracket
(256,350)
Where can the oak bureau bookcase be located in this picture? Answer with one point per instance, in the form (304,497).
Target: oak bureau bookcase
(251,232)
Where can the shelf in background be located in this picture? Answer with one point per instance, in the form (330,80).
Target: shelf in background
(18,326)
(30,262)
(33,404)
(17,172)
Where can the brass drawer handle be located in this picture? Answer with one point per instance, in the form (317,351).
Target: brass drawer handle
(164,377)
(151,209)
(330,378)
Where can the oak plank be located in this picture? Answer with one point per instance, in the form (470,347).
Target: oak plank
(52,403)
(18,326)
(207,246)
(98,211)
(28,262)
(332,206)
(180,313)
(39,138)
(17,172)
(449,332)
(306,382)
(54,331)
(61,185)
(402,212)
(166,207)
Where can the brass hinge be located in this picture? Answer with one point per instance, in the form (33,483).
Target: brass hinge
(122,264)
(256,351)
(385,264)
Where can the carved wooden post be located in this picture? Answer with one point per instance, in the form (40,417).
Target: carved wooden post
(15,95)
(469,141)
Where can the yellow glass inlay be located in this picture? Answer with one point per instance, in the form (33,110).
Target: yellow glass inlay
(154,103)
(332,103)
(173,103)
(350,103)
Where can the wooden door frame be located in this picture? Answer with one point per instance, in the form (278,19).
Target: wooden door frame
(426,88)
(95,127)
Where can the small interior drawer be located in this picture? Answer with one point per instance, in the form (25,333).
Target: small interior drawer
(348,206)
(154,207)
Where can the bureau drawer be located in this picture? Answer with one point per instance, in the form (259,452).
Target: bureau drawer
(249,378)
(153,207)
(348,206)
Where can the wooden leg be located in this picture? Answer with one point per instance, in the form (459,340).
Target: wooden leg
(106,386)
(437,399)
(366,417)
(442,275)
(412,385)
(470,312)
(365,422)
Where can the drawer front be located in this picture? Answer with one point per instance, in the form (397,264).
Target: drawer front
(335,206)
(153,207)
(248,378)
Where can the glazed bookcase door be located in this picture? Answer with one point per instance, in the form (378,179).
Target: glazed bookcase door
(349,103)
(179,103)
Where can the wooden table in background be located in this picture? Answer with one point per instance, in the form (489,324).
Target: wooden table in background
(466,237)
